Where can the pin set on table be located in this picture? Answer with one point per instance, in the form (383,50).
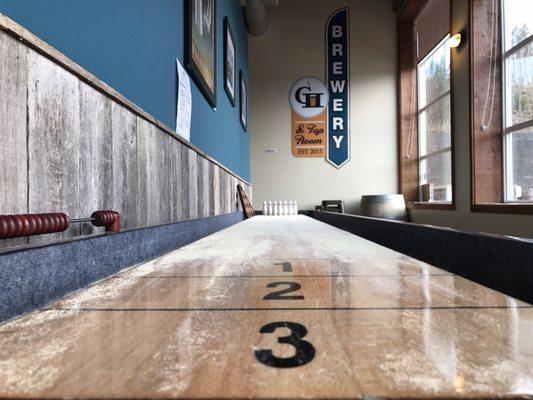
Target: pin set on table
(280,207)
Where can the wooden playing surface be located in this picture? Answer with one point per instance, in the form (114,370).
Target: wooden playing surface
(274,307)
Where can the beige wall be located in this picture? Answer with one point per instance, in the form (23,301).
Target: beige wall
(462,218)
(294,47)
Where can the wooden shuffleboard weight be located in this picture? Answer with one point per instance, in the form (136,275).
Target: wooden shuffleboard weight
(109,219)
(22,225)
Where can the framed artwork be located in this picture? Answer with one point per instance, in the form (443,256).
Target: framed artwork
(243,101)
(200,45)
(230,56)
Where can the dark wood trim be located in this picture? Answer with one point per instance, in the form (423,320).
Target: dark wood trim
(196,74)
(497,207)
(228,31)
(470,39)
(243,101)
(416,205)
(452,113)
(406,66)
(408,169)
(483,189)
(407,113)
(503,208)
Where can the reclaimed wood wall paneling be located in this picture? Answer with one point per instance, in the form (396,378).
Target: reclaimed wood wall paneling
(125,181)
(193,183)
(53,141)
(13,132)
(67,147)
(96,155)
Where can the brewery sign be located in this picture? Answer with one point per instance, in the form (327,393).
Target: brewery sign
(308,99)
(338,81)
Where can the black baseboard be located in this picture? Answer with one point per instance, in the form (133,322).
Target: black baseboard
(32,277)
(499,262)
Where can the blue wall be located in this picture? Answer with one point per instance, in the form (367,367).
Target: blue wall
(132,45)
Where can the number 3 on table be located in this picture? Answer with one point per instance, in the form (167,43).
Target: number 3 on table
(305,352)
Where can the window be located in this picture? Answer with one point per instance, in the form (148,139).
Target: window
(434,125)
(517,67)
(425,103)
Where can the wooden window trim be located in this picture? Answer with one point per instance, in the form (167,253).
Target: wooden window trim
(408,169)
(435,205)
(487,190)
(503,208)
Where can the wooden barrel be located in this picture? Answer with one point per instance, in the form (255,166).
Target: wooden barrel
(387,206)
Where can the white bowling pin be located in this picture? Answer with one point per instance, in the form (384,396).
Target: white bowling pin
(280,208)
(275,208)
(290,210)
(295,207)
(265,208)
(269,211)
(285,208)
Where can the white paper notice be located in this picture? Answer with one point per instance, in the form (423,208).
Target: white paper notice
(183,116)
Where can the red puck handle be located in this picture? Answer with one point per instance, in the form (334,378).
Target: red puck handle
(109,219)
(21,225)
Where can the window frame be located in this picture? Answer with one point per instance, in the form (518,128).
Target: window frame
(408,169)
(506,109)
(425,108)
(487,184)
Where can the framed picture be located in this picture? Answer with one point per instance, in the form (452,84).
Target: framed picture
(200,45)
(230,76)
(243,101)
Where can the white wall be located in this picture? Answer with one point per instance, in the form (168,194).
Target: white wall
(294,47)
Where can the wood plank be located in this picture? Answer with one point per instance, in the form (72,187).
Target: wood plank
(249,192)
(96,155)
(13,130)
(208,188)
(193,184)
(201,186)
(212,192)
(223,194)
(216,190)
(235,197)
(125,182)
(185,183)
(228,193)
(53,142)
(176,182)
(148,176)
(164,169)
(398,328)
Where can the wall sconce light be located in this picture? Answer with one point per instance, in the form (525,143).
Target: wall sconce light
(456,40)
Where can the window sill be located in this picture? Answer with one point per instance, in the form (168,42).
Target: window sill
(433,205)
(503,208)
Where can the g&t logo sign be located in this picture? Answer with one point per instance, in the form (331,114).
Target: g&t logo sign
(321,113)
(309,98)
